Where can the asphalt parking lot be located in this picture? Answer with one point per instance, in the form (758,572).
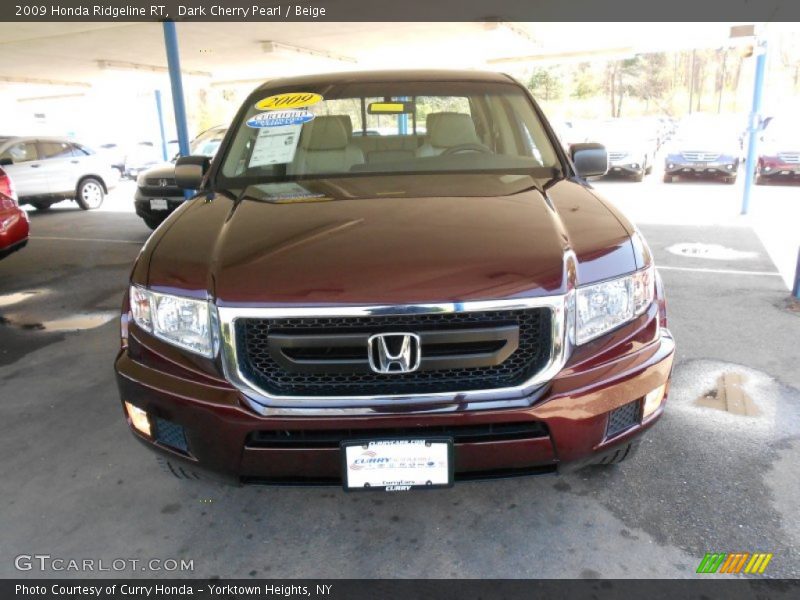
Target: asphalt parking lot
(79,486)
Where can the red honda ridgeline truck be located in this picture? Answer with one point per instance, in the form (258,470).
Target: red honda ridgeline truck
(392,280)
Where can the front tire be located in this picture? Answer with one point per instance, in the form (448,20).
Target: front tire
(669,178)
(730,180)
(90,194)
(41,206)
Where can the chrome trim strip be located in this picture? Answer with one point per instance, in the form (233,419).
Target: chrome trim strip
(268,404)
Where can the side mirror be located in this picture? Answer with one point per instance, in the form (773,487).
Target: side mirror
(590,159)
(190,171)
(4,162)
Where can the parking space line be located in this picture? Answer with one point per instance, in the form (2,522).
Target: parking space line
(719,271)
(71,239)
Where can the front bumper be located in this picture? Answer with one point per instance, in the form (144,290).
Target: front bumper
(145,210)
(222,432)
(629,168)
(774,168)
(723,167)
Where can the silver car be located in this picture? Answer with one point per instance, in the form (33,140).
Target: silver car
(47,170)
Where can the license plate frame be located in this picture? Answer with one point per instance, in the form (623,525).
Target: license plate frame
(159,204)
(391,448)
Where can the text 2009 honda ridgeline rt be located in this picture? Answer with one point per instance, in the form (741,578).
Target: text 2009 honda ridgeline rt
(392,280)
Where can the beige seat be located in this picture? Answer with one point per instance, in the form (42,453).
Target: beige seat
(447,130)
(325,147)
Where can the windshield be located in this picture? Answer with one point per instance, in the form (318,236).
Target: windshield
(207,143)
(386,128)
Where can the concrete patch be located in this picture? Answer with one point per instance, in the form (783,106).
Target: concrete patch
(729,395)
(776,416)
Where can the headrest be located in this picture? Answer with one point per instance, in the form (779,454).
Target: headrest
(448,129)
(347,122)
(325,133)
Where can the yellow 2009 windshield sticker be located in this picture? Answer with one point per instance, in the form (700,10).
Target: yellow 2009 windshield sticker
(290,100)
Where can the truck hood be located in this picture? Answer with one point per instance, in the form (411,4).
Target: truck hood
(388,240)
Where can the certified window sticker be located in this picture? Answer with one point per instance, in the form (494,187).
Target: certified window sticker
(280,118)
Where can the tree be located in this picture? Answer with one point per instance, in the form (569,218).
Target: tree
(583,82)
(546,84)
(652,79)
(620,81)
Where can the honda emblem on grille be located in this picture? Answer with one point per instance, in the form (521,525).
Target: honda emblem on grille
(394,352)
(163,182)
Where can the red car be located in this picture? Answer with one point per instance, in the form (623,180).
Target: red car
(779,153)
(448,299)
(14,224)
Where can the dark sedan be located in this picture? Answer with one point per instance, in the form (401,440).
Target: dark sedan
(157,196)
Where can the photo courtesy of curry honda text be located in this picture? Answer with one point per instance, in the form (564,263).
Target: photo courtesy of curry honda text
(392,281)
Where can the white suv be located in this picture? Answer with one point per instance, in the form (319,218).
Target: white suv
(47,170)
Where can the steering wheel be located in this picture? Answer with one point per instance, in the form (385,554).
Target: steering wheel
(458,148)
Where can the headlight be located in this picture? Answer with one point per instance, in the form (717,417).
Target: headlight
(184,322)
(603,306)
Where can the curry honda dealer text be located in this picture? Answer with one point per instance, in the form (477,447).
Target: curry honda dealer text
(161,590)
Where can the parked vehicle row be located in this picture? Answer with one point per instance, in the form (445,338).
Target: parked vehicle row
(47,170)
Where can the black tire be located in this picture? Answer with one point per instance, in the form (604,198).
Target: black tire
(177,470)
(669,178)
(648,168)
(639,176)
(730,180)
(152,223)
(760,180)
(41,206)
(90,193)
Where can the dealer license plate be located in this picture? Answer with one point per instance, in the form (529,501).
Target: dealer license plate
(397,465)
(158,204)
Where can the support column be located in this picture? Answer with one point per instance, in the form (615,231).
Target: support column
(755,124)
(176,82)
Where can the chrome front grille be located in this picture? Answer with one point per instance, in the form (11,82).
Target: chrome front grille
(328,356)
(701,156)
(471,378)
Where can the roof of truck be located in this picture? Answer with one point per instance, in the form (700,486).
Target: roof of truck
(387,76)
